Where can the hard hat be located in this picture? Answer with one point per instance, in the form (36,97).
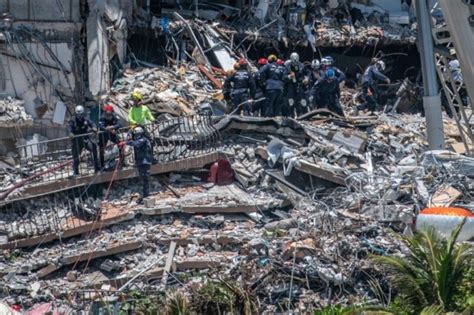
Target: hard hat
(330,60)
(79,109)
(137,96)
(330,73)
(315,64)
(242,62)
(138,130)
(262,61)
(280,62)
(294,57)
(326,61)
(272,58)
(108,109)
(381,65)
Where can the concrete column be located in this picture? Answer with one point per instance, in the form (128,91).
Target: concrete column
(431,99)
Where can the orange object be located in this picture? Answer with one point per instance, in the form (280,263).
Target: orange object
(457,212)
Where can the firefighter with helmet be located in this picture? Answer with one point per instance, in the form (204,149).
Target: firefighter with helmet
(240,87)
(80,128)
(272,75)
(109,126)
(143,158)
(372,75)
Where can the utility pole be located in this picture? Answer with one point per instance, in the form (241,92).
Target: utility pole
(431,97)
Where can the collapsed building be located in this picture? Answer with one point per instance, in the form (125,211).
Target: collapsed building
(296,207)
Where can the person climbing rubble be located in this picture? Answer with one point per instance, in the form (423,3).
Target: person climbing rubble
(371,76)
(143,158)
(240,87)
(109,126)
(327,91)
(272,74)
(139,114)
(293,81)
(79,128)
(258,107)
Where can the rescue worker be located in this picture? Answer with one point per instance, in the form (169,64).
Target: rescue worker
(109,126)
(307,82)
(272,75)
(240,88)
(371,76)
(328,62)
(258,107)
(143,158)
(314,75)
(327,92)
(139,114)
(293,80)
(79,127)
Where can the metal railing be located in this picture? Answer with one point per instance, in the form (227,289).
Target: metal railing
(49,161)
(173,139)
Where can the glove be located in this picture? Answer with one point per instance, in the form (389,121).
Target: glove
(311,98)
(388,81)
(71,136)
(291,102)
(305,81)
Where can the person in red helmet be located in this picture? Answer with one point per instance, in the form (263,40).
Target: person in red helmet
(261,62)
(272,76)
(109,126)
(239,87)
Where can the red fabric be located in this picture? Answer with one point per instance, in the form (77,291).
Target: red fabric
(225,173)
(221,173)
(108,109)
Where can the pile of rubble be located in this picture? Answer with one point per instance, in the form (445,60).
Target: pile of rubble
(175,90)
(312,200)
(12,113)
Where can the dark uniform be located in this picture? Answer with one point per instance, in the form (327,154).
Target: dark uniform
(239,87)
(258,107)
(369,87)
(143,160)
(79,127)
(293,78)
(109,134)
(272,74)
(327,92)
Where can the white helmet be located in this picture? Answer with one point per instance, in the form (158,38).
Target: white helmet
(326,61)
(138,130)
(294,57)
(79,109)
(315,64)
(381,65)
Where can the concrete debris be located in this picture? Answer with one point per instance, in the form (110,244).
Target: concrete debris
(289,210)
(350,186)
(13,114)
(174,91)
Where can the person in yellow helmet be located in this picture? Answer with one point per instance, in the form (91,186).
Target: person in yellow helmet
(139,114)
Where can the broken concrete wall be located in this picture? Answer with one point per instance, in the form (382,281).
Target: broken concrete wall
(42,83)
(42,10)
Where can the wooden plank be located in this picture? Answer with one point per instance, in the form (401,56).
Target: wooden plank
(116,249)
(315,170)
(169,261)
(224,209)
(444,196)
(79,227)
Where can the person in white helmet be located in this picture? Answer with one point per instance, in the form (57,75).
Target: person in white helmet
(293,80)
(80,127)
(372,75)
